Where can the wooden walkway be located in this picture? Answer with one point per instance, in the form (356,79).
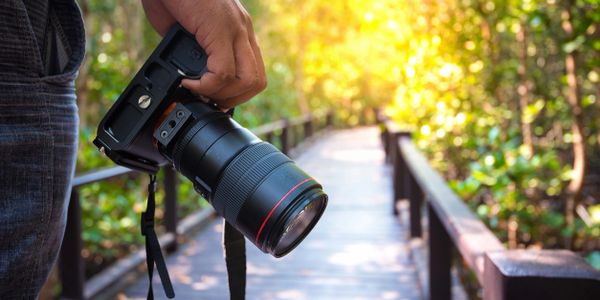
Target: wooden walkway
(357,251)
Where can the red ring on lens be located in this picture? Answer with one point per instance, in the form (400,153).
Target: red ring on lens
(276,205)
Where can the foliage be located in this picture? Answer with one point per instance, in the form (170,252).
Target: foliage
(594,259)
(486,88)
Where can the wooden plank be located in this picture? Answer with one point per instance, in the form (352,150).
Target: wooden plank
(471,237)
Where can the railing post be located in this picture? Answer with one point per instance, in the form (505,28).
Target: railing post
(385,136)
(440,251)
(407,187)
(329,119)
(412,190)
(399,168)
(385,139)
(71,266)
(538,274)
(285,138)
(392,143)
(269,137)
(171,205)
(415,198)
(308,126)
(297,136)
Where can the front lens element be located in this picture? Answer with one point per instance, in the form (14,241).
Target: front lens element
(301,224)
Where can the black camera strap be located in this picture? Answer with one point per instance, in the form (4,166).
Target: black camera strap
(234,249)
(153,253)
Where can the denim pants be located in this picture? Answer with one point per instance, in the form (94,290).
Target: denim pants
(38,140)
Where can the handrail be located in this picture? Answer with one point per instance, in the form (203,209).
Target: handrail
(472,238)
(270,127)
(71,265)
(502,273)
(100,175)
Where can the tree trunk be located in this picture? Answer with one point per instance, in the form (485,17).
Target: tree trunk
(299,82)
(524,90)
(577,126)
(512,232)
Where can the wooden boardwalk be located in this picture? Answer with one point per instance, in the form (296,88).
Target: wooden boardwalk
(357,251)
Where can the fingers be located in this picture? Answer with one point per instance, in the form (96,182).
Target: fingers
(246,71)
(261,82)
(235,67)
(221,66)
(249,79)
(238,79)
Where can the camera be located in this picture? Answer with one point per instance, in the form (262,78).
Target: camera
(255,187)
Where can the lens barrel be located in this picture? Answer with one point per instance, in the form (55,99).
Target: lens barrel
(255,187)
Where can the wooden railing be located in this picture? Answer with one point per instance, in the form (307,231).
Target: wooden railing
(287,132)
(502,273)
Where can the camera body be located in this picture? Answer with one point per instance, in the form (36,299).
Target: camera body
(125,134)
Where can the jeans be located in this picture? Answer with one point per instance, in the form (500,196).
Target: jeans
(38,142)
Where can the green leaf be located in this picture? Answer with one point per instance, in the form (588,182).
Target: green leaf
(574,44)
(483,210)
(483,178)
(553,219)
(594,259)
(532,110)
(594,212)
(494,133)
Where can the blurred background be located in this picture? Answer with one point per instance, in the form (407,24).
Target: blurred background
(501,95)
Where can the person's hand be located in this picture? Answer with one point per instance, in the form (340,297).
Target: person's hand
(223,28)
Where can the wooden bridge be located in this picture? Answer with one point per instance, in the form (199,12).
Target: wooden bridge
(370,243)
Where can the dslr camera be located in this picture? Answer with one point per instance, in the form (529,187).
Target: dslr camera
(255,187)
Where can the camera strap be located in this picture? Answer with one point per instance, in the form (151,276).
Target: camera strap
(234,250)
(153,253)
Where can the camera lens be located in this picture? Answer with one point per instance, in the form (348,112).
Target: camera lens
(301,223)
(254,186)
